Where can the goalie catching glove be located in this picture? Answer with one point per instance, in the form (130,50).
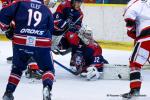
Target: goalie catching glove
(92,73)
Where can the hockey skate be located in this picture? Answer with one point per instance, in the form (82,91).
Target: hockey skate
(132,95)
(46,93)
(8,96)
(9,60)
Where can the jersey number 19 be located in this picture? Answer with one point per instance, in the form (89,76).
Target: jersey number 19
(36,15)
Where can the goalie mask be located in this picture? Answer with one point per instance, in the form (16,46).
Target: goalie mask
(86,35)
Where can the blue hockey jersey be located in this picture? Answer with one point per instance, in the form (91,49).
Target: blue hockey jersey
(33,22)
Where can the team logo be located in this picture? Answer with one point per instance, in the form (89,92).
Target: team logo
(31,40)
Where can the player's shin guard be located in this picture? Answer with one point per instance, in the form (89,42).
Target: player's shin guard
(12,82)
(47,79)
(135,75)
(14,79)
(135,81)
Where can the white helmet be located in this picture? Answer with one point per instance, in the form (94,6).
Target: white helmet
(86,34)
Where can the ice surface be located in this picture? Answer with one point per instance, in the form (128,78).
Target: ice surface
(68,86)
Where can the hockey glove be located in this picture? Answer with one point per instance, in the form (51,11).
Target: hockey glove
(131,33)
(92,73)
(9,32)
(131,28)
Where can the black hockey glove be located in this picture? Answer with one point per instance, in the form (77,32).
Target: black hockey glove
(9,32)
(69,21)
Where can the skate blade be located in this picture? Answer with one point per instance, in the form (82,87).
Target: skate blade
(133,98)
(9,62)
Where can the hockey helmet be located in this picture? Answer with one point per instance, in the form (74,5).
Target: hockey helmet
(73,1)
(86,34)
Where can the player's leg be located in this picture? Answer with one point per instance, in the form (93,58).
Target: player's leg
(94,65)
(19,64)
(77,62)
(45,61)
(138,58)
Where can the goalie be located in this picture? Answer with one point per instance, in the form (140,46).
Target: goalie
(86,54)
(87,59)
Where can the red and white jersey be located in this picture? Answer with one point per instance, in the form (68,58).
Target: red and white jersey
(138,11)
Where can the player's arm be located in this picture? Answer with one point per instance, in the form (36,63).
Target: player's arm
(79,23)
(130,17)
(131,28)
(7,14)
(59,21)
(75,26)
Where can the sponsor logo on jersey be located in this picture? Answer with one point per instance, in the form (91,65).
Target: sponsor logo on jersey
(31,31)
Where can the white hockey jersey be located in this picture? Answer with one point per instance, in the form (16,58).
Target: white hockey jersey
(139,10)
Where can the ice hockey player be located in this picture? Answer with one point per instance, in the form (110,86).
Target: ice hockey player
(8,33)
(86,54)
(137,20)
(65,16)
(87,57)
(67,19)
(32,37)
(33,70)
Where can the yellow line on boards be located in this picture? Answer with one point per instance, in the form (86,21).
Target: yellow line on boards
(104,5)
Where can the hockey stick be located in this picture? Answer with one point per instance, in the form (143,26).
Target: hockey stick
(64,67)
(105,65)
(64,52)
(148,60)
(73,24)
(55,52)
(58,52)
(59,37)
